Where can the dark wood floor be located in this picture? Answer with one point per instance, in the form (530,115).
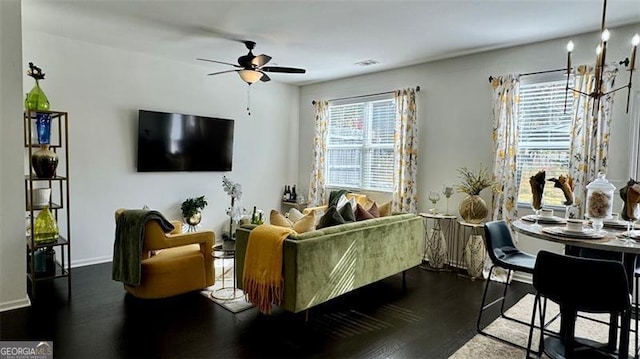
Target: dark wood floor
(431,319)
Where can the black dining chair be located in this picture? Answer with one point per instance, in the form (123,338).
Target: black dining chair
(578,285)
(503,254)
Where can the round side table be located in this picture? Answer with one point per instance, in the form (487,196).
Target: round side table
(225,292)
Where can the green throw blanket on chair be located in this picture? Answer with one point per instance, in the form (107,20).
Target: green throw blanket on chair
(127,248)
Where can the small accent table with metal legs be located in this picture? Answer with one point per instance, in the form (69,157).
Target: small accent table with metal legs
(435,256)
(474,252)
(225,292)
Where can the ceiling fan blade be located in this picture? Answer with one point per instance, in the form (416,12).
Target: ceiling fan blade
(261,60)
(264,77)
(218,62)
(221,72)
(289,70)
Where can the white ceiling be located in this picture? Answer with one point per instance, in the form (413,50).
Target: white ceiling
(325,37)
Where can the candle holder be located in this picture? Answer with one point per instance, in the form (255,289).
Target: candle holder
(448,192)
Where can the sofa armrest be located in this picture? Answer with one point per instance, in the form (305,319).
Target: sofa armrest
(177,227)
(184,239)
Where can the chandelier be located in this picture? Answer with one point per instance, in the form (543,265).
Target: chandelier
(601,55)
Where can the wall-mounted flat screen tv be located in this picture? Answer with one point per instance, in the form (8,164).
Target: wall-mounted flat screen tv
(178,142)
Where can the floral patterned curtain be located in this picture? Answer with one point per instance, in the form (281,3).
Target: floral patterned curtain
(405,164)
(316,182)
(506,100)
(590,130)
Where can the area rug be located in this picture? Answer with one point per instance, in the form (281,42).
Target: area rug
(222,291)
(481,346)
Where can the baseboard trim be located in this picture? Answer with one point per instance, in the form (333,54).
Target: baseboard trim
(15,304)
(523,277)
(90,261)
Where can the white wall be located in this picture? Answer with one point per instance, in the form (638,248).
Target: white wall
(102,88)
(12,240)
(454,107)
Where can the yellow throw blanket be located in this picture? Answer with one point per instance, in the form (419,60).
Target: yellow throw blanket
(263,282)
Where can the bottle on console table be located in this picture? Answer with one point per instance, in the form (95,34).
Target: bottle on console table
(293,194)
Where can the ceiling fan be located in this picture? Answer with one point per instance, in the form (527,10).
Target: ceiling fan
(251,68)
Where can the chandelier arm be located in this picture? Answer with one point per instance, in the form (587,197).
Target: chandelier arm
(615,90)
(580,92)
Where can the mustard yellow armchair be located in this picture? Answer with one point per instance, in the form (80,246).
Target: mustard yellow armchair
(173,263)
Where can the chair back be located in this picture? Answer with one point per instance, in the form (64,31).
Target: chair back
(498,241)
(583,284)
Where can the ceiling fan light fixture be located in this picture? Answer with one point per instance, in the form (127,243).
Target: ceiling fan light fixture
(250,76)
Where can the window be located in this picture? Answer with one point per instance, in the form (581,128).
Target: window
(360,144)
(544,136)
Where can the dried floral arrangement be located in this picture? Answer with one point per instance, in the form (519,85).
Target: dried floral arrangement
(598,204)
(473,182)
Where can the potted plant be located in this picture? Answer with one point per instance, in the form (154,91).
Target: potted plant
(473,209)
(192,210)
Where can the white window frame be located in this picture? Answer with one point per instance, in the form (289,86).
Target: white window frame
(366,147)
(536,141)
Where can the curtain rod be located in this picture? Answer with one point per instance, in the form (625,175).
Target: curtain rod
(360,96)
(534,73)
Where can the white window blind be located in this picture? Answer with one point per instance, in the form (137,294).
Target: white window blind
(360,144)
(544,137)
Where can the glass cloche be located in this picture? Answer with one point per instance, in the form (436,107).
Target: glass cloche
(599,200)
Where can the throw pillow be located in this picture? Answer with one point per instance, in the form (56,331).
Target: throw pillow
(306,223)
(374,210)
(330,218)
(278,219)
(346,212)
(343,200)
(335,195)
(362,214)
(385,209)
(295,215)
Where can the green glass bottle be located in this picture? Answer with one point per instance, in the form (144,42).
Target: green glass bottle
(45,227)
(36,99)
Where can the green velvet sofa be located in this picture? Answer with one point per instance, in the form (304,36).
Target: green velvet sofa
(326,263)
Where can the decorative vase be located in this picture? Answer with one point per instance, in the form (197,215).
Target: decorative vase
(473,209)
(36,99)
(43,128)
(474,255)
(194,220)
(436,248)
(45,228)
(44,162)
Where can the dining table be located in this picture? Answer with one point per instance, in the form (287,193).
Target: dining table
(612,238)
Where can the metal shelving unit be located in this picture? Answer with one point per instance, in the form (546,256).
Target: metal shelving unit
(58,201)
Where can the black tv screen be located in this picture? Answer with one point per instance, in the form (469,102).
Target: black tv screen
(178,142)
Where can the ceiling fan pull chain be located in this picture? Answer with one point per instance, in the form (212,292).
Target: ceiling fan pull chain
(249,100)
